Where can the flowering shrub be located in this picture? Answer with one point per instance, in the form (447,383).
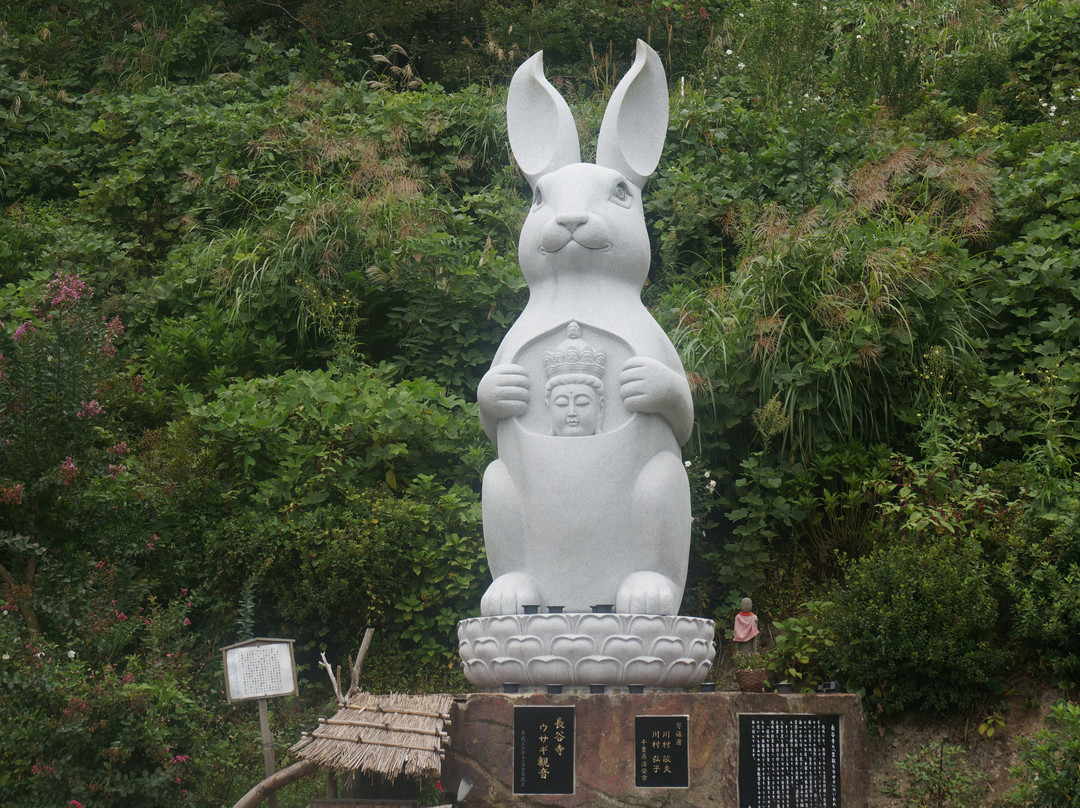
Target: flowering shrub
(59,382)
(77,728)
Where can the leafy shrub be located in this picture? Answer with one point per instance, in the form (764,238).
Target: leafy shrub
(1041,572)
(409,565)
(111,732)
(307,437)
(801,645)
(64,459)
(916,626)
(1044,39)
(1049,770)
(940,776)
(1035,285)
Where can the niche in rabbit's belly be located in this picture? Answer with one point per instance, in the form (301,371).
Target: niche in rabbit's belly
(574,363)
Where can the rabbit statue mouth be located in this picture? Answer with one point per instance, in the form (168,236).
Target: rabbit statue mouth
(601,248)
(554,242)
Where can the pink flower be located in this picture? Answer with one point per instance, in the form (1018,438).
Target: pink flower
(114,328)
(187,621)
(120,449)
(181,759)
(68,471)
(90,409)
(115,471)
(76,803)
(121,617)
(11,494)
(23,330)
(66,289)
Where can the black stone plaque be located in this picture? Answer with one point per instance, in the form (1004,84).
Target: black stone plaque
(789,760)
(662,759)
(543,750)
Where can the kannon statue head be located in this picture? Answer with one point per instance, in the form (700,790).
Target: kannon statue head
(575,389)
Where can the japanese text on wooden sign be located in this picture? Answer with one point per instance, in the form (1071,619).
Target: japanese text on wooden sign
(259,669)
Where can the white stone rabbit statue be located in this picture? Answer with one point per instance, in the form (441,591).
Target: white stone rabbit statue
(586,400)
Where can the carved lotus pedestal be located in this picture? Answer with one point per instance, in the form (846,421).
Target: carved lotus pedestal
(579,652)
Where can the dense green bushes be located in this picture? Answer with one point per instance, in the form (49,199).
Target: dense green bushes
(865,246)
(919,627)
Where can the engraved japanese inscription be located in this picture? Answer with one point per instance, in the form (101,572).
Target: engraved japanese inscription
(543,750)
(662,757)
(790,760)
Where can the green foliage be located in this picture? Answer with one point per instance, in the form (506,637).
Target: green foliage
(738,564)
(1049,769)
(829,309)
(801,645)
(404,564)
(307,437)
(881,62)
(1041,573)
(780,46)
(125,43)
(103,729)
(917,621)
(1036,286)
(940,776)
(1044,38)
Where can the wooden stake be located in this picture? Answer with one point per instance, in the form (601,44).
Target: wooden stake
(268,748)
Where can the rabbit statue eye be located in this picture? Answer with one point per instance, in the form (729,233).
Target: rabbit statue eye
(620,195)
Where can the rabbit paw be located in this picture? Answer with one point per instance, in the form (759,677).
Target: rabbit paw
(647,385)
(647,593)
(509,594)
(504,392)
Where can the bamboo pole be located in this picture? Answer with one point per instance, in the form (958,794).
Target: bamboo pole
(402,711)
(345,722)
(437,750)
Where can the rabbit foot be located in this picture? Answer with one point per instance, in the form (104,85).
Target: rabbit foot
(509,594)
(647,593)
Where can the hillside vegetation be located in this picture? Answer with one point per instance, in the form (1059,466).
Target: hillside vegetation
(255,257)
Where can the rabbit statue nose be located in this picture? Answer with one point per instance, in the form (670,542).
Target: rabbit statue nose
(572,221)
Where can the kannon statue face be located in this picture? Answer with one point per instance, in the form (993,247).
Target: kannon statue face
(576,409)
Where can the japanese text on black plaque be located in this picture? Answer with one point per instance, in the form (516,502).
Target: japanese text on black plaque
(789,760)
(661,751)
(543,750)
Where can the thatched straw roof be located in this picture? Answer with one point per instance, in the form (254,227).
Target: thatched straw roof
(386,735)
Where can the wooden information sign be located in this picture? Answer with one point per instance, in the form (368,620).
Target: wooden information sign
(259,669)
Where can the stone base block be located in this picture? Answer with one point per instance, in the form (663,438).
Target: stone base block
(610,747)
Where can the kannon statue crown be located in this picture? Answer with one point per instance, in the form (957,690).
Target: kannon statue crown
(574,355)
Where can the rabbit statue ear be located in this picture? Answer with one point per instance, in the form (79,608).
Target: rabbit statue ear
(543,136)
(635,123)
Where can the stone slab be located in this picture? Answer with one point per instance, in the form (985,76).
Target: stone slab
(482,746)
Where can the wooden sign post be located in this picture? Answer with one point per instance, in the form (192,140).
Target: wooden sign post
(260,669)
